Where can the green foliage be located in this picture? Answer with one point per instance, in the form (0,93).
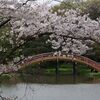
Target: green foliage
(36,47)
(70,5)
(92,8)
(64,5)
(5,45)
(5,77)
(96,53)
(8,43)
(10,46)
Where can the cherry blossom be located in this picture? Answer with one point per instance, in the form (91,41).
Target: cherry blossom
(69,32)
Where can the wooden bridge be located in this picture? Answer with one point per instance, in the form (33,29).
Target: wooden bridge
(52,57)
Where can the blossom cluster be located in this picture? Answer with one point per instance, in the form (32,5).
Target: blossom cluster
(69,32)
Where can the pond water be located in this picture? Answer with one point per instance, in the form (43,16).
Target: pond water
(53,88)
(52,92)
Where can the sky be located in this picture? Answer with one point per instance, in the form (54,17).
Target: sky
(51,2)
(48,1)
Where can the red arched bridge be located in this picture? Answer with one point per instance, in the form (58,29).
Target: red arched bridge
(52,57)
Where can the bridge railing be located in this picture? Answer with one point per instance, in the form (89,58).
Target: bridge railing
(36,57)
(87,60)
(40,57)
(50,54)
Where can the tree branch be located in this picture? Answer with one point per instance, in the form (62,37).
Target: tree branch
(81,38)
(5,22)
(9,18)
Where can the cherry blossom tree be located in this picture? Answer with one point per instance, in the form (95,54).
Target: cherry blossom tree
(69,32)
(6,6)
(8,40)
(75,33)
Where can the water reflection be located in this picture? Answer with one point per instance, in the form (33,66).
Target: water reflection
(49,87)
(51,79)
(53,92)
(61,79)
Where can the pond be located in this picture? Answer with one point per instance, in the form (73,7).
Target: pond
(53,88)
(52,92)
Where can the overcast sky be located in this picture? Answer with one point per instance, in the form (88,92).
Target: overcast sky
(52,2)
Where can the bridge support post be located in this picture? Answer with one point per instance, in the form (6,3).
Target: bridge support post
(57,68)
(92,69)
(74,69)
(74,72)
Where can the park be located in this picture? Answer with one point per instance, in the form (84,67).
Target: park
(49,49)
